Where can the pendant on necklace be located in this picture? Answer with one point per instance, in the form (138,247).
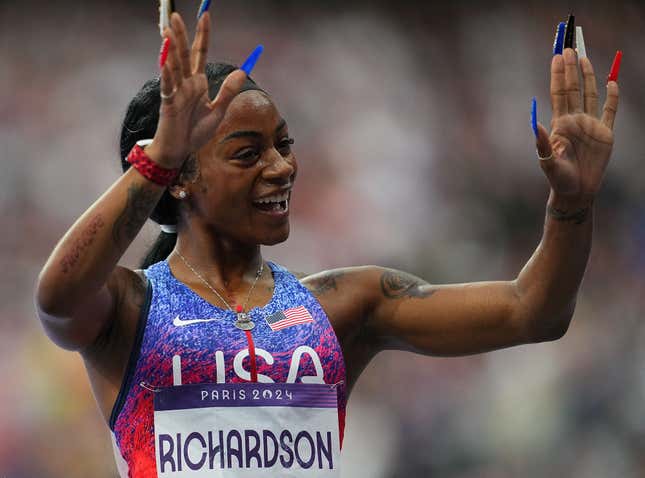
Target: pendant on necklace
(243,321)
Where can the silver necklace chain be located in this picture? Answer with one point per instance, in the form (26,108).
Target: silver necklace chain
(248,296)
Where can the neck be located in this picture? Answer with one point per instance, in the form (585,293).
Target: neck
(225,263)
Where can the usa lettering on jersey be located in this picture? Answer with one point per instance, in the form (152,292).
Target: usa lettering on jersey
(244,374)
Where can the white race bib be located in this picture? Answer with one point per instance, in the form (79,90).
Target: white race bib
(247,430)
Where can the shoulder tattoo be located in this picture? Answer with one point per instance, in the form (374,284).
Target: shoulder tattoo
(398,285)
(325,283)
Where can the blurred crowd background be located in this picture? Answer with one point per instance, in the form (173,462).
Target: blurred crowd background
(411,129)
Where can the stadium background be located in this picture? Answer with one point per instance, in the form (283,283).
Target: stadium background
(411,128)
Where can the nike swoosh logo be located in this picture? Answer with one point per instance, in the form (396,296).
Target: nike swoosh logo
(177,322)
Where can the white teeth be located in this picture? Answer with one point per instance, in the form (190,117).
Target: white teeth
(274,198)
(277,206)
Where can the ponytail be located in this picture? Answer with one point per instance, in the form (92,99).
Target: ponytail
(160,250)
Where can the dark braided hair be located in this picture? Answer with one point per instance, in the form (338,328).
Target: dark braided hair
(140,123)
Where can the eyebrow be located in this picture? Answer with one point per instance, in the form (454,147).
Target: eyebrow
(252,134)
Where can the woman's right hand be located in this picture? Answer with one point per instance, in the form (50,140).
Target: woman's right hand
(81,289)
(188,118)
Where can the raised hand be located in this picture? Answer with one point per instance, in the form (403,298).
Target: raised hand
(576,152)
(188,117)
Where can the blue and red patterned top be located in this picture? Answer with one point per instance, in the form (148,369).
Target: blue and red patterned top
(183,339)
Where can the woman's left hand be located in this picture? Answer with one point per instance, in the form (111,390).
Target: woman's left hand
(579,145)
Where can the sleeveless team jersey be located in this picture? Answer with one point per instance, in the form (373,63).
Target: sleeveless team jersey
(177,342)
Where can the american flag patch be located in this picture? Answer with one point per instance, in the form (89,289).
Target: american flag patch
(287,318)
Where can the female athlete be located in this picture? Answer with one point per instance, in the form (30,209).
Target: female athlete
(169,346)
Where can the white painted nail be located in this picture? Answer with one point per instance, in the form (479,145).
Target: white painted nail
(580,43)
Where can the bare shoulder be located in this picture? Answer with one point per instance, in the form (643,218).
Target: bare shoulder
(345,296)
(351,295)
(370,280)
(338,281)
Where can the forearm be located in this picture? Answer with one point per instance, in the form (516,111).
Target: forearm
(84,258)
(548,284)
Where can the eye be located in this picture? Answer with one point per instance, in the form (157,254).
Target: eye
(247,155)
(284,146)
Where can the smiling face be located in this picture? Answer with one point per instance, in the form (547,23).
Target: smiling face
(242,185)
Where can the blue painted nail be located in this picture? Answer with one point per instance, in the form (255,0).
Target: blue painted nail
(203,8)
(558,43)
(534,117)
(250,62)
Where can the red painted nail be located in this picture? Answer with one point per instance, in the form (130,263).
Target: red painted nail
(163,53)
(615,67)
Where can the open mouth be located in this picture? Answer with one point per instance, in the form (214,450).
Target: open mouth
(276,204)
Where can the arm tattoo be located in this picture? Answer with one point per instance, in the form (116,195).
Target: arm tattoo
(577,217)
(139,204)
(81,244)
(325,283)
(397,285)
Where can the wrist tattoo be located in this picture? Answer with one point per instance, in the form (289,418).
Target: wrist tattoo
(397,285)
(139,204)
(577,217)
(81,244)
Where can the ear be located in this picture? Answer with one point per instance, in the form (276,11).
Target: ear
(189,174)
(178,191)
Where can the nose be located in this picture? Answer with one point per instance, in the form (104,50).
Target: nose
(281,169)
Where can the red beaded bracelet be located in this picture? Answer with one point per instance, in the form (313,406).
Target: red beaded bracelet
(140,161)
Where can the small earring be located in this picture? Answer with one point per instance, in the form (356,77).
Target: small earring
(182,194)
